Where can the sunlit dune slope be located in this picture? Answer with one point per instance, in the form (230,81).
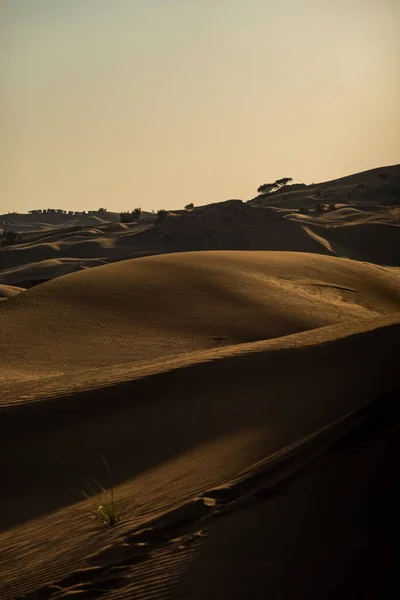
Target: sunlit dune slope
(7,291)
(188,372)
(162,306)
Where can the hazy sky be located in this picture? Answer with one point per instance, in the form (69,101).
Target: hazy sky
(158,103)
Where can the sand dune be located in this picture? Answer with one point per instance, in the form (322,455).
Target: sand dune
(125,311)
(75,248)
(378,243)
(171,438)
(189,372)
(7,291)
(359,215)
(49,256)
(379,187)
(312,219)
(40,221)
(373,242)
(237,364)
(361,232)
(38,272)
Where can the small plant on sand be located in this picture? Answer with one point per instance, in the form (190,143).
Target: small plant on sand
(105,509)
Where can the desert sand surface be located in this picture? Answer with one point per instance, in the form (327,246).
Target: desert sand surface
(6,291)
(238,366)
(355,217)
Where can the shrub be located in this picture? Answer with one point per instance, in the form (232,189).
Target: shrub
(104,509)
(129,217)
(161,215)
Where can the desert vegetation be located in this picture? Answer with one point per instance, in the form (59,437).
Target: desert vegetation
(161,215)
(267,188)
(129,217)
(104,507)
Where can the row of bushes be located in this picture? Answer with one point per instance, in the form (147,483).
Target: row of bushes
(135,214)
(129,217)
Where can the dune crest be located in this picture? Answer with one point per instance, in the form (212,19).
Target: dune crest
(125,312)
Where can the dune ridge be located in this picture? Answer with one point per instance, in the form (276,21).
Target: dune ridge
(125,312)
(270,351)
(241,450)
(355,217)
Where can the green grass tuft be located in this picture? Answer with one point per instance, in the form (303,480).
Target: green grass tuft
(105,508)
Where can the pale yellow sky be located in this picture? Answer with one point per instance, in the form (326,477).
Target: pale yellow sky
(157,103)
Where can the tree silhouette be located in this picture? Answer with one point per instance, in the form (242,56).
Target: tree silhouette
(266,188)
(279,183)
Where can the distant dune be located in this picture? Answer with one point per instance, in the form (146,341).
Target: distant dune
(7,291)
(354,217)
(379,187)
(125,312)
(237,365)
